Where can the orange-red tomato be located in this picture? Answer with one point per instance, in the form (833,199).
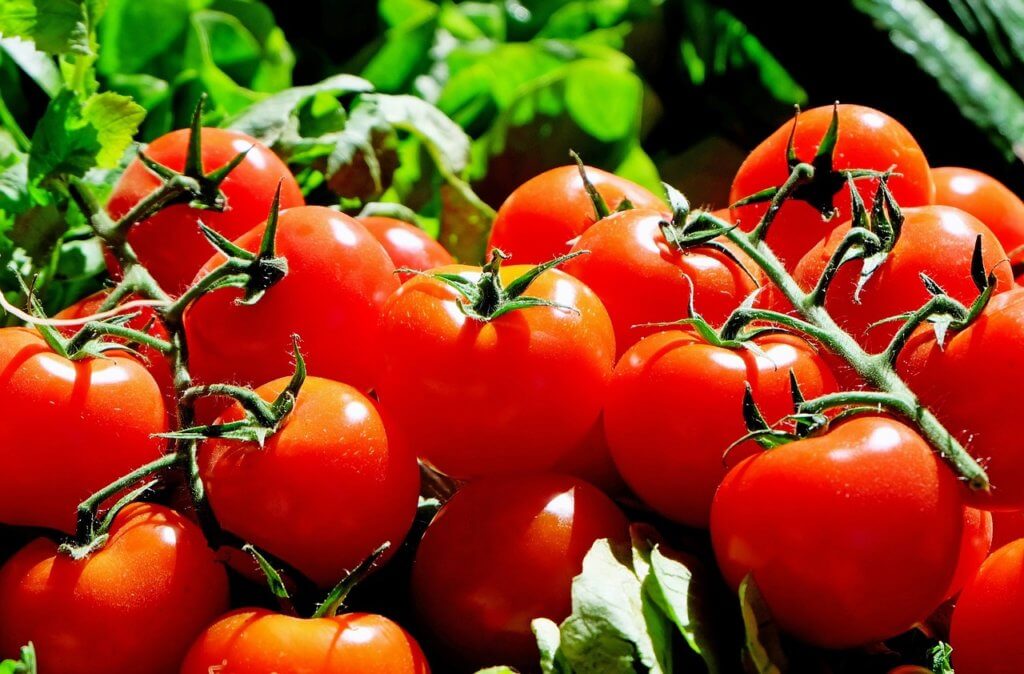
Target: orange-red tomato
(974,547)
(407,245)
(985,198)
(502,552)
(251,641)
(283,497)
(1007,526)
(868,139)
(169,243)
(541,219)
(72,427)
(135,605)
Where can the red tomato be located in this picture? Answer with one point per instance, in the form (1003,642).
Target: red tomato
(282,497)
(511,394)
(407,245)
(936,240)
(169,243)
(541,218)
(985,198)
(338,278)
(852,536)
(966,383)
(254,640)
(80,426)
(134,605)
(987,621)
(974,547)
(642,278)
(502,552)
(674,457)
(1007,526)
(591,461)
(868,139)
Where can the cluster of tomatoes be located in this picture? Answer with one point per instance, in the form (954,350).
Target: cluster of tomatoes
(547,391)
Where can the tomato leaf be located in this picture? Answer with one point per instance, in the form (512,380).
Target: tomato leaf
(55,26)
(497,670)
(941,654)
(763,651)
(36,64)
(549,642)
(26,664)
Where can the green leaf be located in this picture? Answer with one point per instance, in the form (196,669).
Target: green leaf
(763,650)
(36,64)
(448,143)
(497,670)
(604,100)
(981,94)
(549,641)
(25,665)
(15,197)
(941,654)
(127,33)
(404,50)
(55,26)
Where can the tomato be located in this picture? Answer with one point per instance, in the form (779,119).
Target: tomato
(974,547)
(985,198)
(642,278)
(968,382)
(674,407)
(338,278)
(502,552)
(254,640)
(73,427)
(1007,526)
(936,240)
(407,245)
(868,139)
(541,218)
(987,621)
(591,461)
(851,536)
(282,497)
(134,605)
(484,397)
(169,243)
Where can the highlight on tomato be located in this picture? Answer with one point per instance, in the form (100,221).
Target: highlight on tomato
(408,246)
(985,198)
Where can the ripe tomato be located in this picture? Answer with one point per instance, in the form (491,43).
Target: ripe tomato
(253,640)
(338,278)
(985,198)
(673,458)
(868,139)
(851,536)
(134,605)
(974,547)
(280,496)
(80,426)
(965,383)
(936,240)
(987,621)
(1007,526)
(502,552)
(642,278)
(541,218)
(169,243)
(407,245)
(591,461)
(510,394)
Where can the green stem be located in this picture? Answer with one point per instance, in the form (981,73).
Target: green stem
(175,311)
(801,174)
(336,597)
(248,398)
(95,329)
(8,122)
(938,304)
(169,192)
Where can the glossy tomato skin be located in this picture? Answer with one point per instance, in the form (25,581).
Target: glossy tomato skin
(254,640)
(936,240)
(541,218)
(169,243)
(134,605)
(868,139)
(642,279)
(964,382)
(985,634)
(591,461)
(282,497)
(338,279)
(974,547)
(510,395)
(407,245)
(674,407)
(985,198)
(852,536)
(502,552)
(1007,526)
(79,426)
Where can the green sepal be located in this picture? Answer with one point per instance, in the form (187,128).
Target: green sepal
(334,600)
(601,209)
(272,576)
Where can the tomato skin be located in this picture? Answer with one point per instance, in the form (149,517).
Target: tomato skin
(641,278)
(591,461)
(985,198)
(1007,526)
(87,422)
(868,139)
(169,243)
(330,256)
(281,497)
(974,547)
(967,384)
(673,458)
(852,536)
(407,245)
(142,598)
(541,217)
(985,634)
(502,552)
(514,394)
(254,640)
(936,240)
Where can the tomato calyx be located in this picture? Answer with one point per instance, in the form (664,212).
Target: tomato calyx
(601,207)
(25,664)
